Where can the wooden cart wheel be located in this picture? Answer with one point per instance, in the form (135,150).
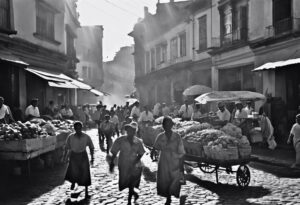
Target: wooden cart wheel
(243,176)
(206,168)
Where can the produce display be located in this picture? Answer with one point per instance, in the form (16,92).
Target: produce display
(19,131)
(64,125)
(232,130)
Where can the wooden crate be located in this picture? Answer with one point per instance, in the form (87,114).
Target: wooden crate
(26,145)
(48,141)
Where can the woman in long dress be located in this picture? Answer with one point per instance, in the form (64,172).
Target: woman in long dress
(170,165)
(131,151)
(79,168)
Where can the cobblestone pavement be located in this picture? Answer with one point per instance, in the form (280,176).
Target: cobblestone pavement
(48,187)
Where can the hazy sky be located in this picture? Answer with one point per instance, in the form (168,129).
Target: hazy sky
(117,17)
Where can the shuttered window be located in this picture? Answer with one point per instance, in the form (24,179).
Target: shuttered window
(45,22)
(202,33)
(5,14)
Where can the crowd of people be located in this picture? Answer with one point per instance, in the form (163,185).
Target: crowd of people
(122,122)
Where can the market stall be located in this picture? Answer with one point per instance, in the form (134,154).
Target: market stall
(213,148)
(25,141)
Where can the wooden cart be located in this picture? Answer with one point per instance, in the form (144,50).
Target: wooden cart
(210,166)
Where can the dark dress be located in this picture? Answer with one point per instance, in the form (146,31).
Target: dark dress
(79,167)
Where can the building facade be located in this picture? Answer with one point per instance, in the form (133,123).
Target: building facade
(225,41)
(119,76)
(36,36)
(90,68)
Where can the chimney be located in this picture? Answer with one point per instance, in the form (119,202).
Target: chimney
(146,11)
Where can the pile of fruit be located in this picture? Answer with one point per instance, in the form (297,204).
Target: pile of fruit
(19,131)
(63,125)
(232,130)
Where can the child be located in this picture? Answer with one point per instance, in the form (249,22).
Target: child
(295,136)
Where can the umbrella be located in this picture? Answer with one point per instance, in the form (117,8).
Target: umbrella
(196,90)
(217,96)
(131,101)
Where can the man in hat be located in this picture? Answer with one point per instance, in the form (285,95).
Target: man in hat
(107,127)
(131,151)
(223,113)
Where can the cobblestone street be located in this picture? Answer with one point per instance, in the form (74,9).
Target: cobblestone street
(48,187)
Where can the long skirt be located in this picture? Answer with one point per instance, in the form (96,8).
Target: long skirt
(79,169)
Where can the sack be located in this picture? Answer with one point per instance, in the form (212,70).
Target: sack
(272,143)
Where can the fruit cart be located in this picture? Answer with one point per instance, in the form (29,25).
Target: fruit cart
(210,166)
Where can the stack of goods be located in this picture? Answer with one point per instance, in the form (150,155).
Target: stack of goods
(19,131)
(63,125)
(194,142)
(224,148)
(232,130)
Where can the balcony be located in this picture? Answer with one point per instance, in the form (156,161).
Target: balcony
(283,27)
(236,37)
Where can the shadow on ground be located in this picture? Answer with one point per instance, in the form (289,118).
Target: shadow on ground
(28,188)
(230,194)
(279,171)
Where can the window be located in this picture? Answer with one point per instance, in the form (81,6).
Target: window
(148,68)
(90,73)
(70,45)
(202,33)
(45,22)
(164,53)
(174,48)
(84,72)
(182,40)
(5,14)
(234,22)
(152,59)
(282,16)
(158,55)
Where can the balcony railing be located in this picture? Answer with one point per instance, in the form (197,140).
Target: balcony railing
(237,36)
(284,26)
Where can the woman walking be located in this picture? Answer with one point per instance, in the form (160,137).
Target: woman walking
(170,164)
(79,168)
(131,151)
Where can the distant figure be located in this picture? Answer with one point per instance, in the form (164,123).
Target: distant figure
(146,116)
(108,129)
(135,112)
(186,111)
(5,113)
(66,112)
(295,138)
(79,168)
(49,110)
(197,113)
(32,111)
(223,114)
(115,120)
(165,110)
(156,110)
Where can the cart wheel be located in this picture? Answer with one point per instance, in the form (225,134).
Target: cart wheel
(243,176)
(206,168)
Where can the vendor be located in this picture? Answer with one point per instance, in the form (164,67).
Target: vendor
(5,114)
(249,109)
(146,116)
(66,112)
(240,114)
(49,110)
(186,111)
(223,114)
(32,111)
(295,137)
(197,113)
(165,110)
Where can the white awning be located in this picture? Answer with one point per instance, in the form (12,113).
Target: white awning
(278,64)
(53,77)
(62,85)
(96,92)
(7,56)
